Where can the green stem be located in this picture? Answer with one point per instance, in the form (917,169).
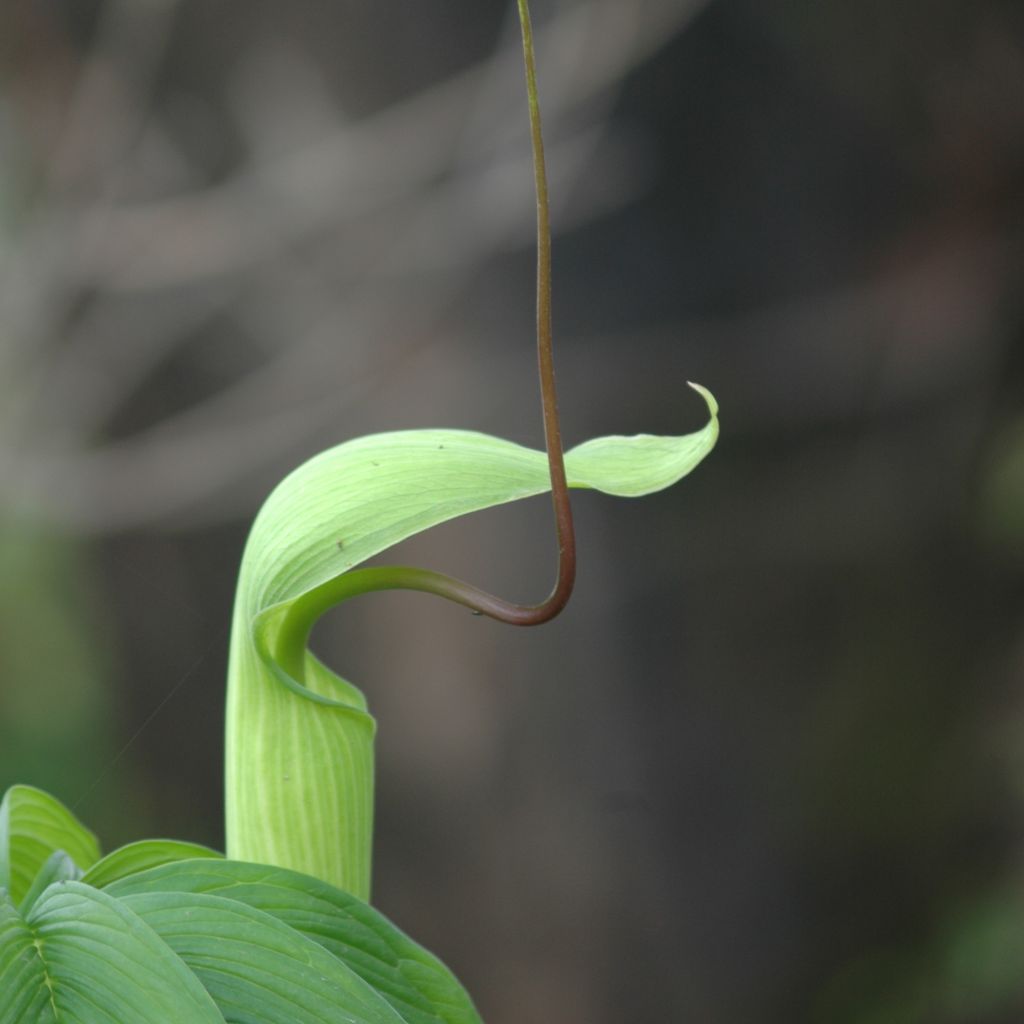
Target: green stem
(295,629)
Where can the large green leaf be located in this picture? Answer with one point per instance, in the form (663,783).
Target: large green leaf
(24,994)
(58,868)
(258,970)
(414,981)
(34,825)
(82,957)
(141,856)
(299,772)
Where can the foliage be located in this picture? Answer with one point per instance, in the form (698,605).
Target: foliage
(281,932)
(165,930)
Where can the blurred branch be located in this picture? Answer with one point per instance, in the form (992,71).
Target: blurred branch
(329,232)
(386,161)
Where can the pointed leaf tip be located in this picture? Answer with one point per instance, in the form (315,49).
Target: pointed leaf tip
(706,395)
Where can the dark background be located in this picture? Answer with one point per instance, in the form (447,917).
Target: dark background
(768,765)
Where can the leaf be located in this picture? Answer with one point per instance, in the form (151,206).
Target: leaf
(141,856)
(26,998)
(412,980)
(33,825)
(257,969)
(299,768)
(630,467)
(82,957)
(59,867)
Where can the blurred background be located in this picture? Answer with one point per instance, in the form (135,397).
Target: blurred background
(769,765)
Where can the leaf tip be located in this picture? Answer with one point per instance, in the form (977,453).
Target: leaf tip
(707,396)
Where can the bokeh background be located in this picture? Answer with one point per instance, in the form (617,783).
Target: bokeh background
(769,765)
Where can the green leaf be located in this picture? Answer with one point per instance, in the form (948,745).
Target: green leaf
(256,968)
(141,856)
(26,997)
(412,980)
(59,867)
(299,771)
(81,957)
(630,467)
(34,825)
